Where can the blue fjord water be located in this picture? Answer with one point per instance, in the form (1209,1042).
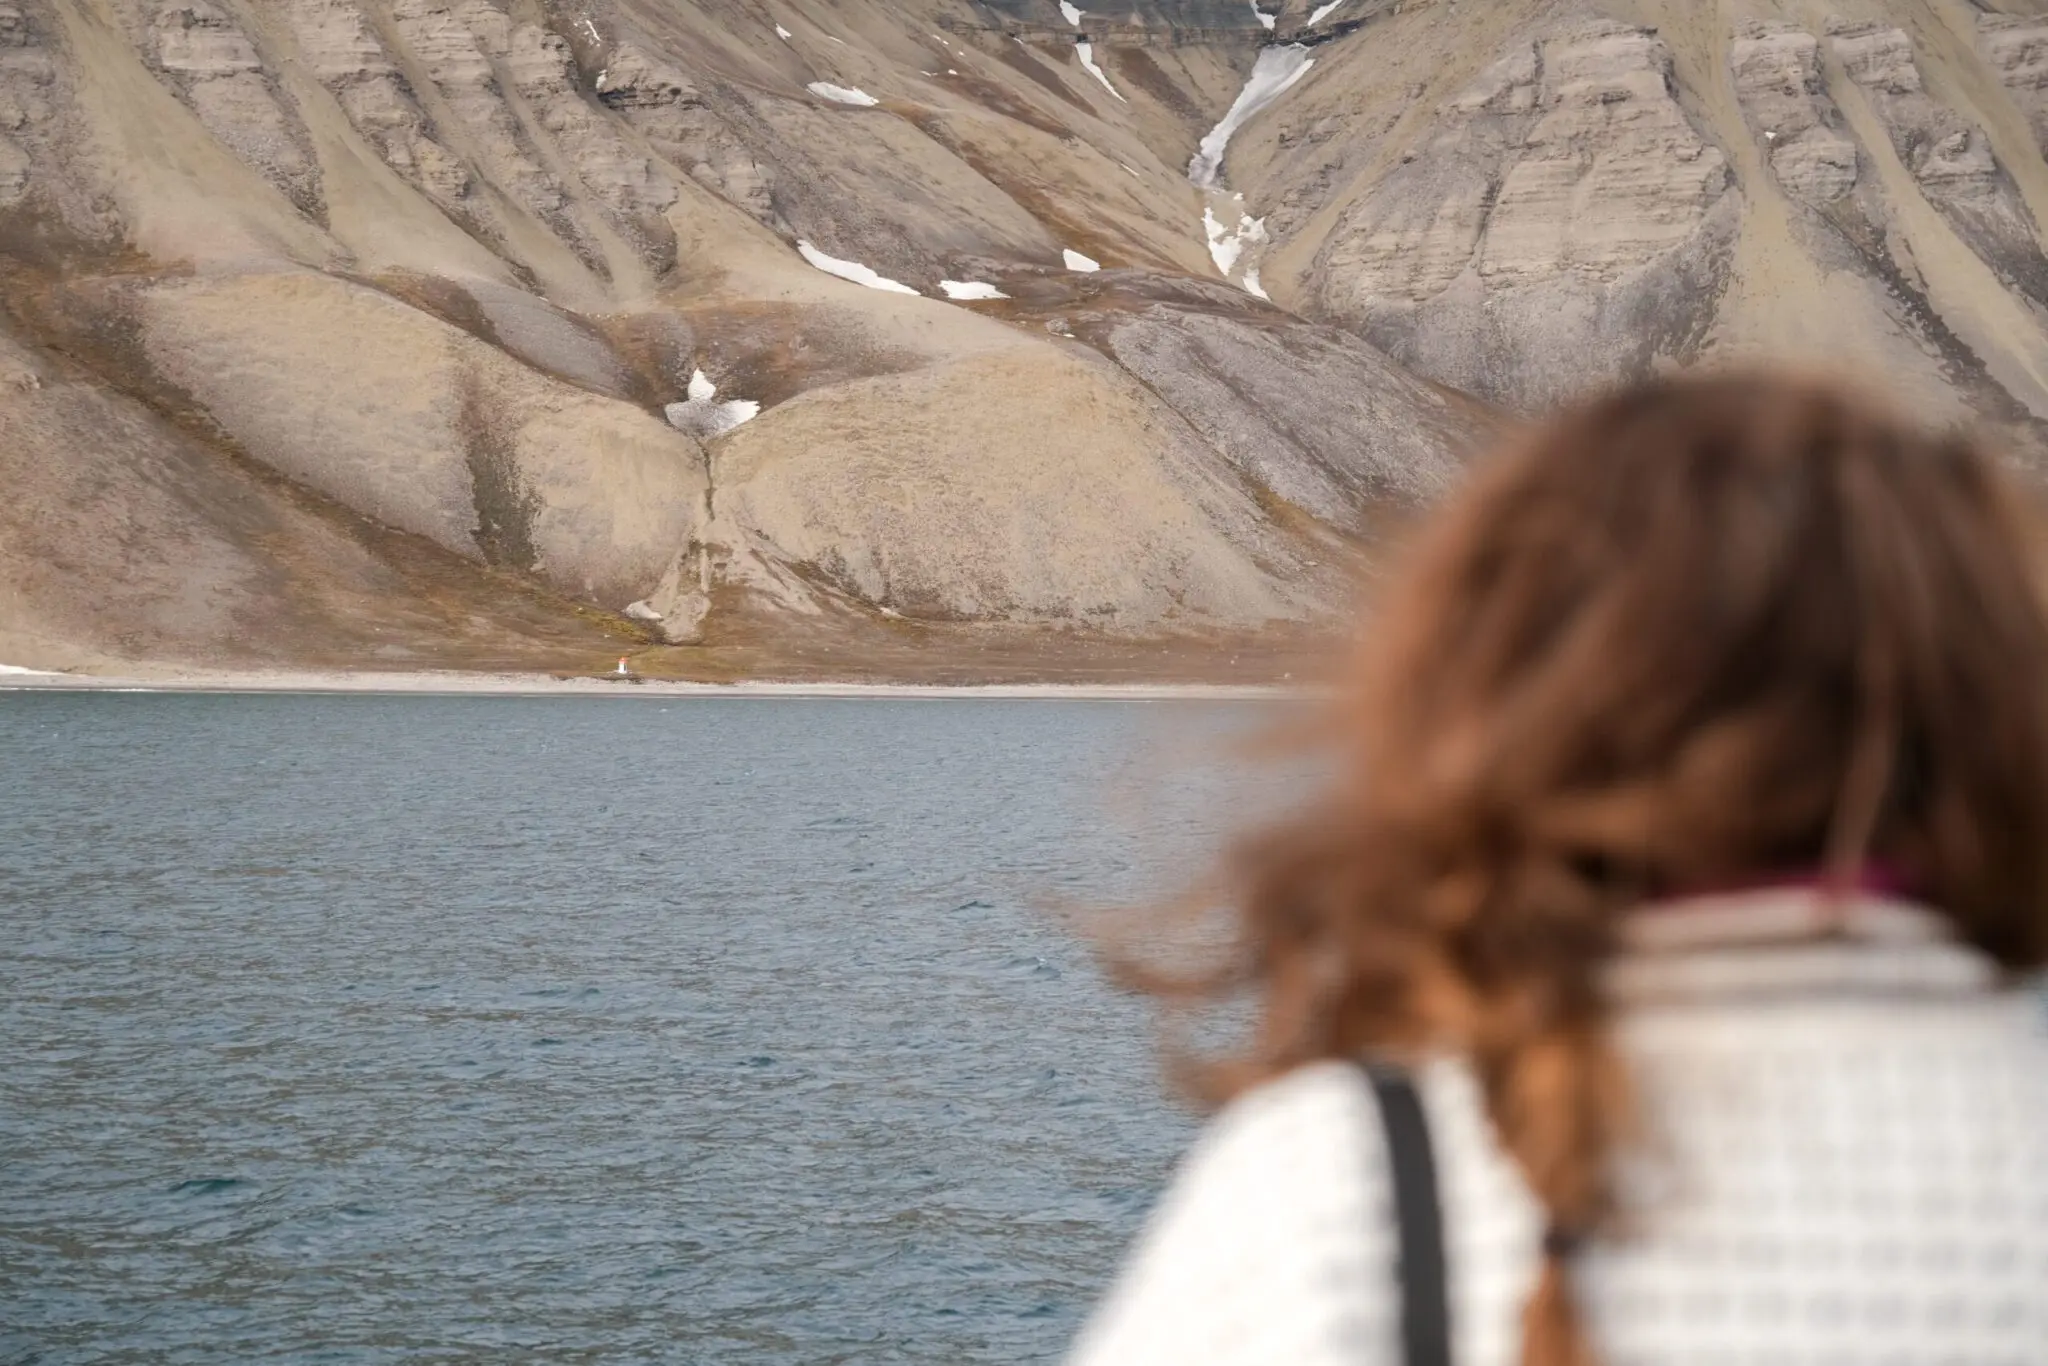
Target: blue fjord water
(366,1029)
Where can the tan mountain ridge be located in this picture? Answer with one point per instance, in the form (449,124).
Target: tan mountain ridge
(922,338)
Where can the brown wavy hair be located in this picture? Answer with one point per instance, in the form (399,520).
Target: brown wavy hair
(1699,633)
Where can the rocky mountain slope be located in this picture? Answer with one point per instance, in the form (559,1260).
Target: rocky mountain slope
(846,333)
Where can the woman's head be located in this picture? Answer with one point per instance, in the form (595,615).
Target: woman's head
(1701,633)
(1718,629)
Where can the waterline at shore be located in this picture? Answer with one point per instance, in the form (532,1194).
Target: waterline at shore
(454,683)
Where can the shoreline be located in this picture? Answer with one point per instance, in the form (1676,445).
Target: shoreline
(453,683)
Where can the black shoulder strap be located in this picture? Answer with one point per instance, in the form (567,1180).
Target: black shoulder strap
(1425,1297)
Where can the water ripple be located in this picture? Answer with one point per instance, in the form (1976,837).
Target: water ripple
(379,1029)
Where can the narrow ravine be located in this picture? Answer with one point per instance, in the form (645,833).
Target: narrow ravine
(1236,239)
(1273,74)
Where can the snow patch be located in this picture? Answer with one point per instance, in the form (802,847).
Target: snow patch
(842,94)
(707,420)
(1087,51)
(1321,12)
(17,669)
(1253,287)
(1223,244)
(701,416)
(782,33)
(1268,20)
(971,289)
(850,270)
(1273,74)
(1226,245)
(1073,15)
(1076,261)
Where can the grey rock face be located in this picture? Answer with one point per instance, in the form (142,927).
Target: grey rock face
(2016,50)
(1776,69)
(667,107)
(14,169)
(1949,155)
(1553,197)
(1306,413)
(626,183)
(345,54)
(46,143)
(214,65)
(448,41)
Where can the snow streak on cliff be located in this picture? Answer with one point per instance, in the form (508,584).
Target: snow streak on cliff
(1273,74)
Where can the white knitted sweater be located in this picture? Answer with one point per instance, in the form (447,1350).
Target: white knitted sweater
(1849,1165)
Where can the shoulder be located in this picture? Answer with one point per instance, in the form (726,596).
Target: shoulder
(1321,1115)
(1299,1160)
(1274,1241)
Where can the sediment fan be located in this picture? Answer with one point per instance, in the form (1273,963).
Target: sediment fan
(869,335)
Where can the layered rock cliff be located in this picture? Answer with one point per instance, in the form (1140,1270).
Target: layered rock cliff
(1510,198)
(528,330)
